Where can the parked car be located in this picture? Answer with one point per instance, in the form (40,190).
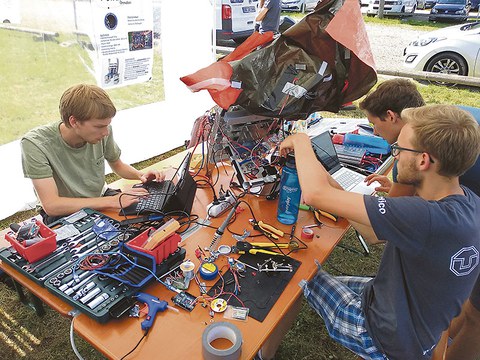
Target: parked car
(392,7)
(455,10)
(235,19)
(430,3)
(451,50)
(298,5)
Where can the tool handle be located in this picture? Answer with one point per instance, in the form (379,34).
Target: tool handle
(161,234)
(328,215)
(154,305)
(271,229)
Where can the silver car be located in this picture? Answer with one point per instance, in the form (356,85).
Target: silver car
(298,5)
(451,50)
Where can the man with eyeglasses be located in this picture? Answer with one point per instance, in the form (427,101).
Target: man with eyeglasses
(431,258)
(383,108)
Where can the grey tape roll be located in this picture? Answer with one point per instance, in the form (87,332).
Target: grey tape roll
(221,330)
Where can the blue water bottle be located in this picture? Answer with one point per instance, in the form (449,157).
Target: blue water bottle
(290,193)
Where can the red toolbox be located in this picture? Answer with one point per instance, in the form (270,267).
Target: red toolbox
(38,250)
(160,252)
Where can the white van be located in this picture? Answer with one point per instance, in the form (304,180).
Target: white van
(235,19)
(396,7)
(10,12)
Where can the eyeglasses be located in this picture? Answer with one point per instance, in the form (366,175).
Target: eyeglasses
(396,150)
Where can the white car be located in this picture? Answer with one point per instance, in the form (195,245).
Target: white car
(298,5)
(235,19)
(451,50)
(394,7)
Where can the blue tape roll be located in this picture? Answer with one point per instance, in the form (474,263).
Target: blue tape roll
(208,271)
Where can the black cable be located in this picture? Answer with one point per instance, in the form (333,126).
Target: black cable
(215,199)
(347,274)
(143,337)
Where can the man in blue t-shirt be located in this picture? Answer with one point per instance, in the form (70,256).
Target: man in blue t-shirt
(383,107)
(269,16)
(431,257)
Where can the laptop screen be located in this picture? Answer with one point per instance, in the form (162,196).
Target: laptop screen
(325,150)
(182,169)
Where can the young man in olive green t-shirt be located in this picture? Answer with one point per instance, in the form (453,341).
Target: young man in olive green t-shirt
(66,159)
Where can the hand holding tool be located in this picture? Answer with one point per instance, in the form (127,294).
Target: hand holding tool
(154,305)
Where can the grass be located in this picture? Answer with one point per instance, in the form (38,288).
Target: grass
(34,74)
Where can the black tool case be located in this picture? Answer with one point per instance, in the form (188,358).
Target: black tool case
(94,292)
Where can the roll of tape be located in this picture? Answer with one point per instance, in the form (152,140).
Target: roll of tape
(187,268)
(221,330)
(208,271)
(307,234)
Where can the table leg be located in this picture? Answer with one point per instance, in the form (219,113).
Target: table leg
(34,302)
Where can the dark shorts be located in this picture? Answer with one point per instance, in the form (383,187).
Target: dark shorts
(475,296)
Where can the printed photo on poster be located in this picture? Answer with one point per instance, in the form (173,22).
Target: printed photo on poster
(140,40)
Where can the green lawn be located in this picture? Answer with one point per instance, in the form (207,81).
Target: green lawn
(34,74)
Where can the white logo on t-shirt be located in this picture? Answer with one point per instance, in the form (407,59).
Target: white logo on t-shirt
(381,205)
(464,261)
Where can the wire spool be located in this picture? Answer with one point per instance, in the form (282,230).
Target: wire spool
(221,330)
(208,271)
(218,305)
(187,268)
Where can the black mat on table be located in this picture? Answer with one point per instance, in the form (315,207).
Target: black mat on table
(259,290)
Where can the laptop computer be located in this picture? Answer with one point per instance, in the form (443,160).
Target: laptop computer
(347,178)
(166,196)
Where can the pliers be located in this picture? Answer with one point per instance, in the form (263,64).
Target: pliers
(318,213)
(268,230)
(243,247)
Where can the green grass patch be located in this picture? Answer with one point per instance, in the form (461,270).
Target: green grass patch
(34,74)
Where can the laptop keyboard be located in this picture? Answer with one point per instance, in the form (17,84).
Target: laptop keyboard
(348,179)
(159,192)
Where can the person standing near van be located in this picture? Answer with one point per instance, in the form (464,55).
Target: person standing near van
(269,16)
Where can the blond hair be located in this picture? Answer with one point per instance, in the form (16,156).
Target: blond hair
(85,102)
(448,134)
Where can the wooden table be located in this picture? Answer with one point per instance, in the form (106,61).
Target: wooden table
(178,335)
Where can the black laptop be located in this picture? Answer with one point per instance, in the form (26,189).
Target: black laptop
(166,196)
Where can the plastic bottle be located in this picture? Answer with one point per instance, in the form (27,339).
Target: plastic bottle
(289,198)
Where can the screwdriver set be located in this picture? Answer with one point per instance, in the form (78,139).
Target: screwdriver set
(114,271)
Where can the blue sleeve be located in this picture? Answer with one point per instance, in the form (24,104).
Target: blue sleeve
(403,221)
